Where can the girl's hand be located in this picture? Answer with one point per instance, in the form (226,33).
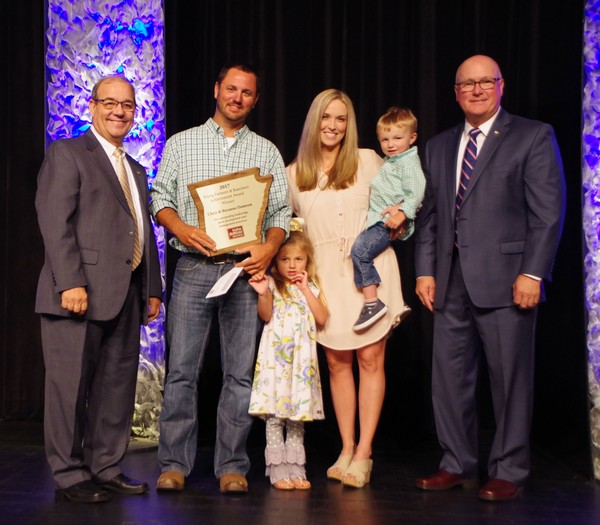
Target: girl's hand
(300,280)
(260,283)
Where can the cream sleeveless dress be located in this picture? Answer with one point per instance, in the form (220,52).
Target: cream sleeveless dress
(332,220)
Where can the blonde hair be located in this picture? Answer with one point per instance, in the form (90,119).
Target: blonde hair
(343,173)
(300,240)
(397,116)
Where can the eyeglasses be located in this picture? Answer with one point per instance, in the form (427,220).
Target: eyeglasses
(484,83)
(111,103)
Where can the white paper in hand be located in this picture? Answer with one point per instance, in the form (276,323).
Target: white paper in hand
(224,283)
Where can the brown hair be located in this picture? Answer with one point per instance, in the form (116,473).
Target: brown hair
(246,68)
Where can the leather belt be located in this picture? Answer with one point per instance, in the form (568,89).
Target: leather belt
(223,258)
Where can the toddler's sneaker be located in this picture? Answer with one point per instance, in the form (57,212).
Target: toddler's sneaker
(369,314)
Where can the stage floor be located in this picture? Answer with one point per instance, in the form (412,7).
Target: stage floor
(555,493)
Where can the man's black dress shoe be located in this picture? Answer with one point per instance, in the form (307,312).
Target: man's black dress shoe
(83,492)
(122,484)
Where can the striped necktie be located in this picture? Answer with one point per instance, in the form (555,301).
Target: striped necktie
(119,155)
(466,169)
(467,166)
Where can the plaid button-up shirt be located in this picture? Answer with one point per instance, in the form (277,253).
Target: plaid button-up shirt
(202,153)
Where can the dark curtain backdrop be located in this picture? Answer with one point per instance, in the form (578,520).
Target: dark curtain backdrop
(22,120)
(381,53)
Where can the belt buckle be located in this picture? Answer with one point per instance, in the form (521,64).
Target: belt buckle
(221,259)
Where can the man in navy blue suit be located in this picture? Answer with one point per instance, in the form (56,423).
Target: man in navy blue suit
(486,239)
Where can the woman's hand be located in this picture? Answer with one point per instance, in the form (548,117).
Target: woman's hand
(396,219)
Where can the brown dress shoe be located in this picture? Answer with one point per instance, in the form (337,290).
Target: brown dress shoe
(233,482)
(443,480)
(500,490)
(170,481)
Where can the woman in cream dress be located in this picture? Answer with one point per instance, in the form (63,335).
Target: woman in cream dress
(329,188)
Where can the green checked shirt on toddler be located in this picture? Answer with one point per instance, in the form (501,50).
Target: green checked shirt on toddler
(399,181)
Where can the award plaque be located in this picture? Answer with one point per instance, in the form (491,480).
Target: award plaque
(231,208)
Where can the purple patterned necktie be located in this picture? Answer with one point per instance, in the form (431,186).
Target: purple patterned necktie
(466,169)
(467,166)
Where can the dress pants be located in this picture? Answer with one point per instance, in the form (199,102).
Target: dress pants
(506,336)
(91,373)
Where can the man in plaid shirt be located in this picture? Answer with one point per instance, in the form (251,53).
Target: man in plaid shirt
(223,144)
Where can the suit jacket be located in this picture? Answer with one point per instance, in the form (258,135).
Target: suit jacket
(510,219)
(88,230)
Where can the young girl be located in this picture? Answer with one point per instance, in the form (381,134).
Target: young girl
(287,388)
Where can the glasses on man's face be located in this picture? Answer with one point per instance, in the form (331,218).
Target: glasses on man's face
(111,103)
(484,83)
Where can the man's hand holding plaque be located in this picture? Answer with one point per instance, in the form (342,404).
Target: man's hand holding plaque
(231,208)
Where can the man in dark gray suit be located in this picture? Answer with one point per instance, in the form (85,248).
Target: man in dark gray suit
(100,281)
(486,239)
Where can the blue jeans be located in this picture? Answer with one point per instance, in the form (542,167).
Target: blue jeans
(368,245)
(189,320)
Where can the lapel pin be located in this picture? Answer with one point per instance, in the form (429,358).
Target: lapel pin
(496,132)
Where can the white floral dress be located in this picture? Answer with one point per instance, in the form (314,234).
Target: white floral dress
(286,382)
